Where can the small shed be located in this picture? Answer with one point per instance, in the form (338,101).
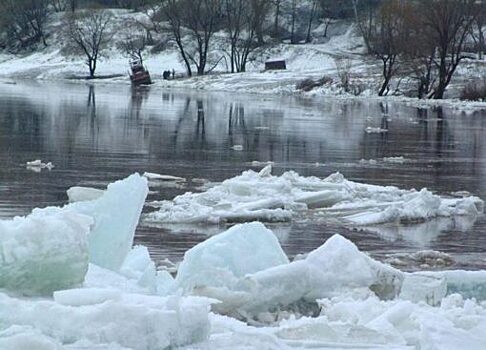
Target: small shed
(275,65)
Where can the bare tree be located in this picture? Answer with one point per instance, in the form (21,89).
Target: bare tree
(134,42)
(388,38)
(448,23)
(314,4)
(174,11)
(25,21)
(276,21)
(198,20)
(240,26)
(365,13)
(260,9)
(477,28)
(89,32)
(59,5)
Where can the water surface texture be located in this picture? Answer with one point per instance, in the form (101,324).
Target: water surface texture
(97,134)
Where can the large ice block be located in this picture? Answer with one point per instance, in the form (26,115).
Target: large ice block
(44,251)
(222,259)
(116,214)
(337,266)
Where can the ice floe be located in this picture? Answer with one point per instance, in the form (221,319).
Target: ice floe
(37,165)
(264,197)
(372,130)
(160,177)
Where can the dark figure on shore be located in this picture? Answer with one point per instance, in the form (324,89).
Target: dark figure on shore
(173,73)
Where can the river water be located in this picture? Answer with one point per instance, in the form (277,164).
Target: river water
(97,134)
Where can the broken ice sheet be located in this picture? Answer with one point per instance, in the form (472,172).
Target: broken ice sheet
(264,197)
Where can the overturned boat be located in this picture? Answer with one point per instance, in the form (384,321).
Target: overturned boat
(140,75)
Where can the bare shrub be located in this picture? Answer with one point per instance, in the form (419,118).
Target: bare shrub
(474,91)
(343,67)
(310,84)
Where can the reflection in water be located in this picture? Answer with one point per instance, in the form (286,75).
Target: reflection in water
(97,134)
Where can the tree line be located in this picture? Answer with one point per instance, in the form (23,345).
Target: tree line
(425,40)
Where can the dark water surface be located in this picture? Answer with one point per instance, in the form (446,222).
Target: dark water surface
(95,135)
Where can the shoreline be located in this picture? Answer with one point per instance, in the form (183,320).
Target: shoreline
(222,82)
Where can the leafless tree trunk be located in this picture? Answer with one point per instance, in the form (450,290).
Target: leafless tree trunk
(312,17)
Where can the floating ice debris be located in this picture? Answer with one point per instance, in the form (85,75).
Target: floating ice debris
(398,160)
(82,194)
(37,165)
(237,148)
(424,259)
(371,130)
(261,196)
(44,251)
(258,163)
(369,161)
(160,177)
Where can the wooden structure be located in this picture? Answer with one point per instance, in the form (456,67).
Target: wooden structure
(140,75)
(275,65)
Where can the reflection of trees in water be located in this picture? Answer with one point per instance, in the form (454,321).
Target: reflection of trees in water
(139,94)
(21,126)
(200,134)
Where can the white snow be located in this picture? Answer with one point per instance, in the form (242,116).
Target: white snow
(44,251)
(261,196)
